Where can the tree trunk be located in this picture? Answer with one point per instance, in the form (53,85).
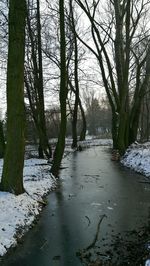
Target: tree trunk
(37,105)
(2,141)
(134,120)
(74,125)
(12,177)
(75,111)
(40,151)
(44,140)
(121,138)
(58,154)
(83,131)
(114,129)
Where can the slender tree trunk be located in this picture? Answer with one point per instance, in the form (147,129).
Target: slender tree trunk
(142,122)
(134,120)
(75,111)
(44,140)
(74,125)
(58,154)
(83,131)
(39,111)
(12,177)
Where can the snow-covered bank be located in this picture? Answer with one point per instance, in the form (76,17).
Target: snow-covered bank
(137,157)
(95,142)
(17,213)
(90,141)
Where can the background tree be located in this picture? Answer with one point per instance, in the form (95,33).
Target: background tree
(125,75)
(76,77)
(34,76)
(12,176)
(74,58)
(58,154)
(98,116)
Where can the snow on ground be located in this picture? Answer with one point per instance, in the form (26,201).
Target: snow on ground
(90,141)
(17,213)
(137,157)
(147,263)
(95,142)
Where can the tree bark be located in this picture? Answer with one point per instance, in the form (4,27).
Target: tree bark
(83,130)
(12,176)
(2,141)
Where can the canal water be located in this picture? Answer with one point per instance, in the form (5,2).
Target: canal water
(90,185)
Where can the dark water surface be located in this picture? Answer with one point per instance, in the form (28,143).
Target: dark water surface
(91,185)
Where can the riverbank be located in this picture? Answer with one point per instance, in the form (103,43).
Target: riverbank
(17,213)
(137,158)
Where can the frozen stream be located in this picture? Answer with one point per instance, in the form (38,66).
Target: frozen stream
(91,185)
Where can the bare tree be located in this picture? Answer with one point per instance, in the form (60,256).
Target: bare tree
(34,77)
(74,57)
(125,74)
(58,154)
(75,89)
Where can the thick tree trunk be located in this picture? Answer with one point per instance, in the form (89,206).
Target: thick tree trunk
(133,131)
(58,154)
(12,177)
(114,129)
(121,138)
(120,131)
(40,151)
(2,141)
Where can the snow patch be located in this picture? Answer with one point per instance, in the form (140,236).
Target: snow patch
(137,157)
(17,213)
(147,263)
